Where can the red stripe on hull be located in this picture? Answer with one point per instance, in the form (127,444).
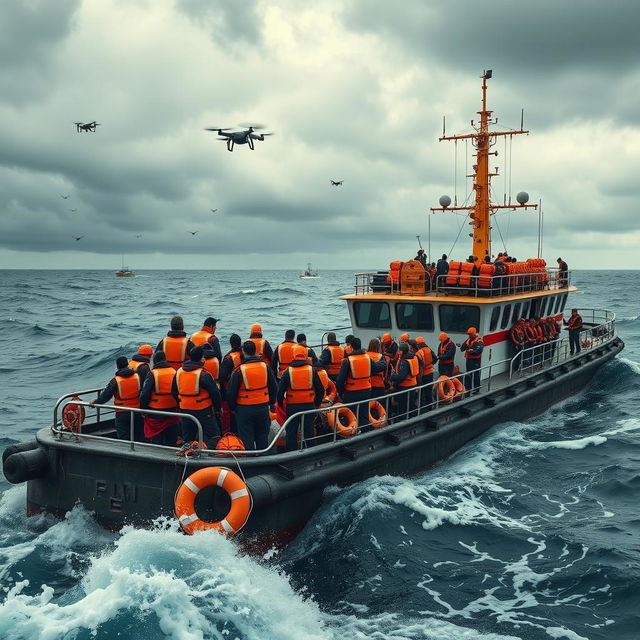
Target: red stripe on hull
(494,338)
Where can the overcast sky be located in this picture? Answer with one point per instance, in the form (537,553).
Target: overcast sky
(353,90)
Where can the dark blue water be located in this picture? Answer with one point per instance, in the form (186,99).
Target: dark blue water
(531,531)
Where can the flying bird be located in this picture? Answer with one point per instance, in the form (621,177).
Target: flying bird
(139,235)
(336,183)
(65,197)
(193,233)
(76,238)
(213,210)
(73,210)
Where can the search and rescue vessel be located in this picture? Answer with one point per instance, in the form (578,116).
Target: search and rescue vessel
(267,498)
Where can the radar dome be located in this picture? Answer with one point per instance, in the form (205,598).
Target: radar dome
(522,197)
(445,201)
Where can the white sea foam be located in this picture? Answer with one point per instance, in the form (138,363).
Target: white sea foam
(248,291)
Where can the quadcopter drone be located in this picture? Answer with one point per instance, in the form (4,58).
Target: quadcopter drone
(247,136)
(86,126)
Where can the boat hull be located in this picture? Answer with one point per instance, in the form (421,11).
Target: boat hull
(123,486)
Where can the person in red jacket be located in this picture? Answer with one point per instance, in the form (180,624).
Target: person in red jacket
(574,324)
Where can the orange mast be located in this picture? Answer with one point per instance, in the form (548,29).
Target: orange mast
(482,210)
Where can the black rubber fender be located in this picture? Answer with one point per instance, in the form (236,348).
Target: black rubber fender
(26,465)
(17,448)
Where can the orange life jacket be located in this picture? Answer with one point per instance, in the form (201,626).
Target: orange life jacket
(300,389)
(452,277)
(127,391)
(531,334)
(442,347)
(176,350)
(236,358)
(424,355)
(347,349)
(337,356)
(414,369)
(470,342)
(285,355)
(190,395)
(260,345)
(200,337)
(518,336)
(377,379)
(466,269)
(161,397)
(254,383)
(134,364)
(486,273)
(359,375)
(575,322)
(212,365)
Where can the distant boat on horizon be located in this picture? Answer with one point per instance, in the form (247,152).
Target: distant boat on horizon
(309,273)
(125,272)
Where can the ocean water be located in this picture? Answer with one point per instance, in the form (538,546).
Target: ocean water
(531,531)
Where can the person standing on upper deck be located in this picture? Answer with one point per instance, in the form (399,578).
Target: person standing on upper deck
(563,273)
(442,268)
(575,327)
(446,355)
(472,348)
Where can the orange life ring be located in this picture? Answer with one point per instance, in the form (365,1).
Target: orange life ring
(586,343)
(229,442)
(446,389)
(458,386)
(346,424)
(377,415)
(73,415)
(331,393)
(210,477)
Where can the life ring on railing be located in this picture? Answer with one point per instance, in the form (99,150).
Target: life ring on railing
(446,389)
(377,415)
(458,386)
(73,415)
(229,442)
(342,420)
(331,393)
(221,477)
(586,343)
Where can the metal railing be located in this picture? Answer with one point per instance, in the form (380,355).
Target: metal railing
(474,286)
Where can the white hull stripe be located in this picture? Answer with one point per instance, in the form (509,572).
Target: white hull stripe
(227,527)
(185,520)
(238,494)
(194,487)
(222,476)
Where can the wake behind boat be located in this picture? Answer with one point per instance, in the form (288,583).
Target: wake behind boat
(268,494)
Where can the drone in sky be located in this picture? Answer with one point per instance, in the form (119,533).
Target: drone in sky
(247,136)
(336,183)
(87,127)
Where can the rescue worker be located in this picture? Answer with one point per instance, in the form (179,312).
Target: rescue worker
(563,273)
(472,348)
(303,390)
(378,380)
(442,268)
(430,277)
(574,325)
(405,378)
(301,338)
(156,394)
(263,348)
(283,354)
(211,362)
(348,348)
(176,345)
(124,388)
(519,340)
(354,381)
(140,361)
(251,391)
(389,347)
(197,395)
(427,359)
(331,357)
(208,335)
(231,361)
(446,355)
(421,258)
(405,337)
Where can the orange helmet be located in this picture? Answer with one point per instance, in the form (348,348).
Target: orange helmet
(404,337)
(386,337)
(472,330)
(442,336)
(255,328)
(145,350)
(300,353)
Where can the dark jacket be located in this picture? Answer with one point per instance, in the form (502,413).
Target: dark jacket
(176,334)
(236,378)
(343,375)
(283,386)
(476,349)
(325,357)
(227,367)
(268,351)
(403,371)
(147,387)
(442,267)
(449,352)
(206,382)
(110,390)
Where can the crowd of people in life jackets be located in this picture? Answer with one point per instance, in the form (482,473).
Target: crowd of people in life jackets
(543,333)
(492,275)
(253,383)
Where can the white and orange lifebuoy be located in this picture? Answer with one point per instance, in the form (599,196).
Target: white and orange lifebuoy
(446,389)
(458,386)
(73,415)
(377,415)
(331,393)
(342,420)
(213,477)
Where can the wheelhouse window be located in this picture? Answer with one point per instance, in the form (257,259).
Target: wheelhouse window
(506,314)
(516,312)
(457,318)
(495,316)
(372,315)
(414,316)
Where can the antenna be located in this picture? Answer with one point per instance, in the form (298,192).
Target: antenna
(444,119)
(521,119)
